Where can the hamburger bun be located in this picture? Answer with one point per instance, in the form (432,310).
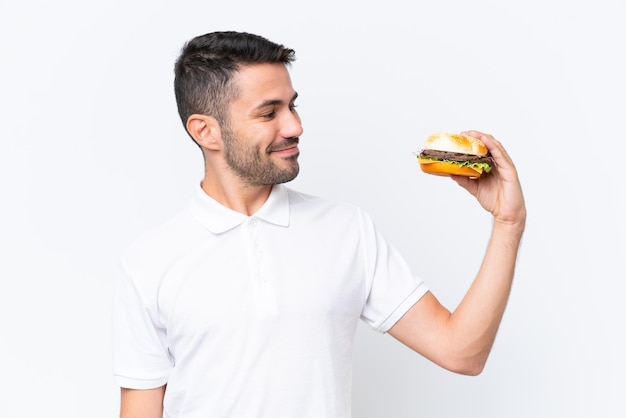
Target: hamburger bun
(462,144)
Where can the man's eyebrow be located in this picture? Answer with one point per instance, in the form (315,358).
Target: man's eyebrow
(275,102)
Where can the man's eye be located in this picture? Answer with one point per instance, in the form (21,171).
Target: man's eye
(292,107)
(269,115)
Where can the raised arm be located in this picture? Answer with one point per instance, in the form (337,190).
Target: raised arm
(461,341)
(144,403)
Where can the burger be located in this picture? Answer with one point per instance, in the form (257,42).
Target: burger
(446,154)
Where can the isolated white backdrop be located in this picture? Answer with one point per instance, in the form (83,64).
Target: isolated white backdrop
(92,153)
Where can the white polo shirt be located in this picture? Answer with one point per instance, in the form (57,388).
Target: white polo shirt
(255,316)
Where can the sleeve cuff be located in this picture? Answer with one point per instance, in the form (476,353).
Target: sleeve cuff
(130,383)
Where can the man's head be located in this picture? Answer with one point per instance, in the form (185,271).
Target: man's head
(236,101)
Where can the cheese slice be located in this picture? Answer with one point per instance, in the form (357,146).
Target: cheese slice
(479,170)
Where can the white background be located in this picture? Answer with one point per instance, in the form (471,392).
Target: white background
(92,153)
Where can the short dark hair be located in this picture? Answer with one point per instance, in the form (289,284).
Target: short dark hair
(206,64)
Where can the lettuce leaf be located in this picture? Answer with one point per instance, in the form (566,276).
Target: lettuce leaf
(484,166)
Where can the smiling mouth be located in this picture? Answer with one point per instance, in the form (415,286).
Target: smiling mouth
(288,149)
(290,153)
(289,146)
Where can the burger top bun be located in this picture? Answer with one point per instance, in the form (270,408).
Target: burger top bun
(451,142)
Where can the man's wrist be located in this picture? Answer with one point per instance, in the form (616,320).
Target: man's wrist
(510,226)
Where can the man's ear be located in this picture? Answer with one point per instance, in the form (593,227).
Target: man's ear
(205,130)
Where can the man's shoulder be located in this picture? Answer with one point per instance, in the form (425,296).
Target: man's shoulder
(311,201)
(165,239)
(318,207)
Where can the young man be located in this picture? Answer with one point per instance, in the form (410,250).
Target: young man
(246,304)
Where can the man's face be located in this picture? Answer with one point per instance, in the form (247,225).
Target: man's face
(262,133)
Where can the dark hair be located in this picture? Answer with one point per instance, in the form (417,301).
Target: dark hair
(206,64)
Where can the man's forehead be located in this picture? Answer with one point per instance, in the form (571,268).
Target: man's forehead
(260,83)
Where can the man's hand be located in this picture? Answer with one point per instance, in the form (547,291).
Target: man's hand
(498,192)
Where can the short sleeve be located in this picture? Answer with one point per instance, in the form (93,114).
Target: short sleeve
(391,284)
(140,354)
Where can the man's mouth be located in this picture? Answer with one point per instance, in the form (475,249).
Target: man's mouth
(289,146)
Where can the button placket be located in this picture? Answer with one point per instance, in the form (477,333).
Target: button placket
(262,262)
(261,274)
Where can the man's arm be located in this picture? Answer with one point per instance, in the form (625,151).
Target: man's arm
(461,341)
(144,403)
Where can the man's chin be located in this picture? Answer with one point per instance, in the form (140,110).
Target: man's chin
(287,177)
(275,177)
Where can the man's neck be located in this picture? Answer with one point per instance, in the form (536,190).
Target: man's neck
(235,195)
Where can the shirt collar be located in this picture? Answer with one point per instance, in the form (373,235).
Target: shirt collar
(218,218)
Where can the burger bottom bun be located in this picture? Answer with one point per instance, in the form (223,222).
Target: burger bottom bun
(443,168)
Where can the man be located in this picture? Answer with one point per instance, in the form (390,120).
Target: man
(246,304)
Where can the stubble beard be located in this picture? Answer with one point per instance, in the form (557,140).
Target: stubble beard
(253,164)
